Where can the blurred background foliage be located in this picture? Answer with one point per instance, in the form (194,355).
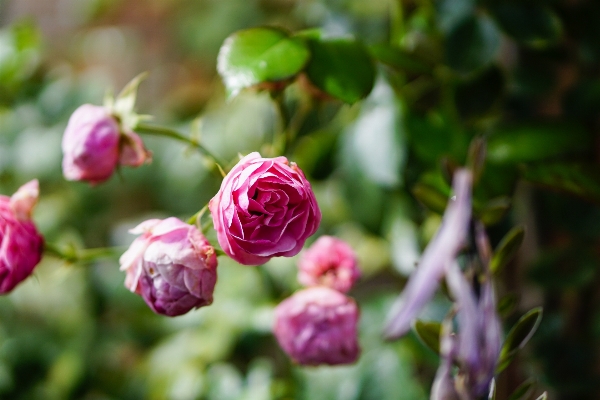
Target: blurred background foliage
(524,75)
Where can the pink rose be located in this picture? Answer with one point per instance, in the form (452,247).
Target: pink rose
(93,145)
(171,265)
(265,208)
(21,245)
(329,262)
(318,325)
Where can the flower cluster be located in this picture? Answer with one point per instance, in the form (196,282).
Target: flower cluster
(318,325)
(264,208)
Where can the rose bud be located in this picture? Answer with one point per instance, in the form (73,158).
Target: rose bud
(318,325)
(171,265)
(21,245)
(94,145)
(264,208)
(329,262)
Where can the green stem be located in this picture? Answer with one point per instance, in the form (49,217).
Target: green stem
(194,218)
(279,144)
(168,132)
(397,23)
(73,255)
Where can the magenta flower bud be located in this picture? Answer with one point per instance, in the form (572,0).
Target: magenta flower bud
(94,144)
(171,265)
(329,262)
(21,245)
(318,325)
(264,208)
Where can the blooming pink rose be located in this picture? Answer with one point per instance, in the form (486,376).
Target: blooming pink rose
(318,325)
(21,245)
(265,208)
(93,145)
(171,265)
(329,262)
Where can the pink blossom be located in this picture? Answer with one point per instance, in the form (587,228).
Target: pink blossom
(318,325)
(21,245)
(94,145)
(264,208)
(329,262)
(171,265)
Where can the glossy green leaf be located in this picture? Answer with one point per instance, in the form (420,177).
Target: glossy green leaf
(472,44)
(518,336)
(342,68)
(535,142)
(531,23)
(524,390)
(429,333)
(577,179)
(260,55)
(507,248)
(399,59)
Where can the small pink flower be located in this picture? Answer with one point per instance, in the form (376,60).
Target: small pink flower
(318,325)
(94,144)
(21,245)
(171,265)
(329,262)
(265,208)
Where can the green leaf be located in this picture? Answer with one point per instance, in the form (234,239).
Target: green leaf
(472,44)
(399,59)
(535,142)
(125,101)
(507,304)
(518,336)
(342,68)
(577,179)
(429,333)
(493,211)
(476,157)
(528,22)
(430,197)
(507,248)
(543,396)
(524,390)
(260,55)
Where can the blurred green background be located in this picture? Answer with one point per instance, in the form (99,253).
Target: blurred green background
(524,75)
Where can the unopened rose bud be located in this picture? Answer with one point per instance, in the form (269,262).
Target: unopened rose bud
(171,265)
(94,144)
(21,245)
(318,325)
(329,262)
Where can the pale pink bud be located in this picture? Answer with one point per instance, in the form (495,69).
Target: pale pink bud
(265,208)
(318,325)
(94,144)
(171,265)
(21,245)
(329,262)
